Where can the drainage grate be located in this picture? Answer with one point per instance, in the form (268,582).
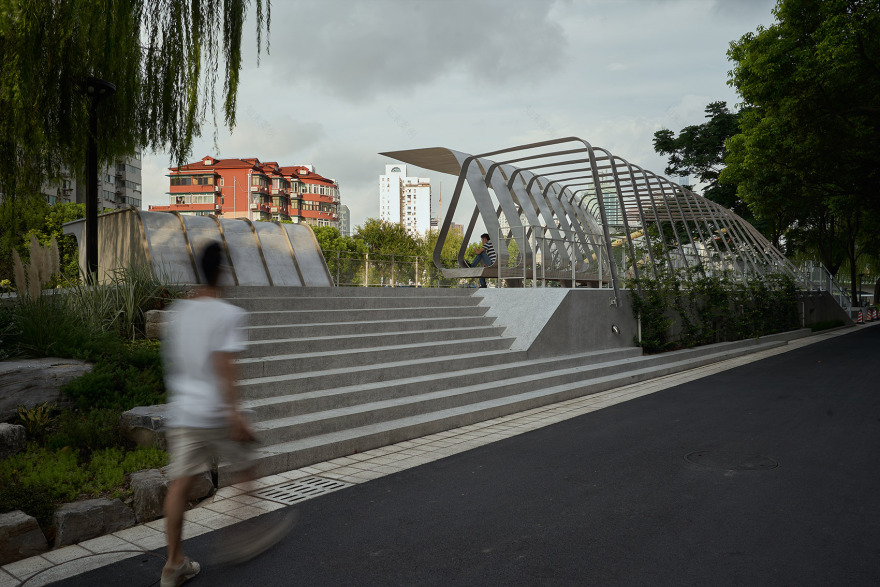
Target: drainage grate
(293,492)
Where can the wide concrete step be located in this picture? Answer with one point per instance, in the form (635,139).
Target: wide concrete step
(337,343)
(343,329)
(299,402)
(270,366)
(330,378)
(354,303)
(357,407)
(248,291)
(293,454)
(262,318)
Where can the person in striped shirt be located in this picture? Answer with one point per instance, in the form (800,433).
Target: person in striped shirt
(484,255)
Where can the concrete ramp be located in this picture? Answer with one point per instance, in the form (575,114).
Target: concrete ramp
(258,253)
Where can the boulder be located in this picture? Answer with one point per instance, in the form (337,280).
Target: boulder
(83,520)
(20,537)
(202,486)
(145,425)
(35,381)
(154,323)
(149,488)
(13,440)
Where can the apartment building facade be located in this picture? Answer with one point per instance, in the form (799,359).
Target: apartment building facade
(405,200)
(119,186)
(249,188)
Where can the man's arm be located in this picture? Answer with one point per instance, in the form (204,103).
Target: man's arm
(227,373)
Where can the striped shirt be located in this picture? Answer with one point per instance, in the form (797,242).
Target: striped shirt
(489,250)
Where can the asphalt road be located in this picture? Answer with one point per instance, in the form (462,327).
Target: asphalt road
(766,474)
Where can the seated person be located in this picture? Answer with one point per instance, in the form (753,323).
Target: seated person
(484,255)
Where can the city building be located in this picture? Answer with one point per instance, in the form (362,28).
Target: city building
(249,188)
(344,220)
(119,186)
(405,200)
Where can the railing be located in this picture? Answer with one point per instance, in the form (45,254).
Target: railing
(817,278)
(350,269)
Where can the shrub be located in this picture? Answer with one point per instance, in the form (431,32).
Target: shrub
(86,431)
(36,419)
(123,380)
(38,479)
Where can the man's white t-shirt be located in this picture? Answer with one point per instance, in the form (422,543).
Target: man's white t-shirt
(197,329)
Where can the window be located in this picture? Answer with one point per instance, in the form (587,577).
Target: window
(203,180)
(221,181)
(181,180)
(203,199)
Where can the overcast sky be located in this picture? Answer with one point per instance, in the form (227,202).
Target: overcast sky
(347,79)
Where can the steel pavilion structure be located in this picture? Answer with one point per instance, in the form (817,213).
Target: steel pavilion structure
(564,210)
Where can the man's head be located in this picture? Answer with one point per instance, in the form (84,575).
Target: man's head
(212,258)
(485,237)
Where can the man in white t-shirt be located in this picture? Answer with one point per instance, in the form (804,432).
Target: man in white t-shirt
(205,422)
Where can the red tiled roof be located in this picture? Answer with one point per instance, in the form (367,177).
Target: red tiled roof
(310,176)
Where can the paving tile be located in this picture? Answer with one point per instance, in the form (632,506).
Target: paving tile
(268,506)
(66,553)
(159,524)
(26,567)
(225,506)
(7,580)
(310,470)
(247,512)
(226,492)
(193,530)
(107,543)
(78,566)
(221,521)
(151,542)
(294,475)
(137,533)
(246,499)
(342,461)
(201,514)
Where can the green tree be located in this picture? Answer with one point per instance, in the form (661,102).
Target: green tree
(388,238)
(699,151)
(165,59)
(810,135)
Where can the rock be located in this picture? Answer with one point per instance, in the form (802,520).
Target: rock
(154,326)
(202,486)
(149,488)
(20,537)
(83,520)
(35,381)
(145,425)
(13,440)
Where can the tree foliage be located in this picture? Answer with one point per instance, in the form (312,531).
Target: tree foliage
(699,151)
(806,157)
(164,57)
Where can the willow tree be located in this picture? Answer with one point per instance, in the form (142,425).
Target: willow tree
(166,58)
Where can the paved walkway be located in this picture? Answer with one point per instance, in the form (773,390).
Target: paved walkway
(759,470)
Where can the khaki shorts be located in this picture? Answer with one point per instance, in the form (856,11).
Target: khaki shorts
(195,450)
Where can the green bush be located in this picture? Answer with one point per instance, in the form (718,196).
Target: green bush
(711,308)
(123,380)
(48,327)
(86,431)
(36,419)
(37,480)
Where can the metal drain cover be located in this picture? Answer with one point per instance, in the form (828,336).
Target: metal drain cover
(293,492)
(731,462)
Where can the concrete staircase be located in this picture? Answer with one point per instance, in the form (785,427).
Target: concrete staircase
(333,371)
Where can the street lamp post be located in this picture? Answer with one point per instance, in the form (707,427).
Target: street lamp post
(95,89)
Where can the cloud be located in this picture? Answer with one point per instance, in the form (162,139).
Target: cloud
(359,50)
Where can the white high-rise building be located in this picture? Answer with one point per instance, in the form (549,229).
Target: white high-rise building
(405,200)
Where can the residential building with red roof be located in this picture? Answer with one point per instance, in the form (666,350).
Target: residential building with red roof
(249,188)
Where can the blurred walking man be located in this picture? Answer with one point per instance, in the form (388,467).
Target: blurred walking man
(203,337)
